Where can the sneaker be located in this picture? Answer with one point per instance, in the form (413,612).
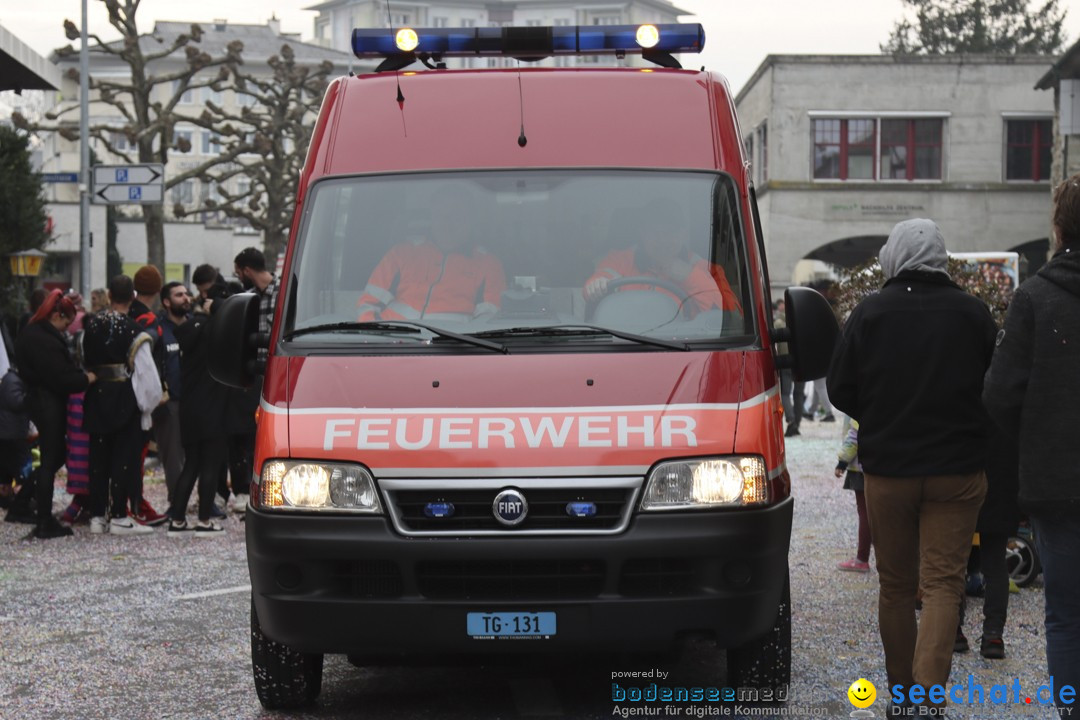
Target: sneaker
(854,565)
(239,503)
(827,418)
(961,644)
(991,646)
(208,529)
(148,516)
(99,526)
(179,529)
(791,431)
(216,512)
(127,526)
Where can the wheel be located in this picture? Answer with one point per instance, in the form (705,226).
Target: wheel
(1022,561)
(765,663)
(284,678)
(641,309)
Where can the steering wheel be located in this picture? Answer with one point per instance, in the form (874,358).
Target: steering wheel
(650,309)
(669,285)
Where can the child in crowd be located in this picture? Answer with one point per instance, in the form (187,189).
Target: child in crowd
(849,462)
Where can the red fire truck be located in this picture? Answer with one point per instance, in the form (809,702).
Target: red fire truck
(521,389)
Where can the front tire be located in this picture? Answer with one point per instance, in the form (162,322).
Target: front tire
(765,662)
(284,678)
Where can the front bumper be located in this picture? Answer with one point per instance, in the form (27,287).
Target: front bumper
(334,584)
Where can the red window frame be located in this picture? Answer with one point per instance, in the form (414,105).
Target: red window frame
(844,146)
(1042,139)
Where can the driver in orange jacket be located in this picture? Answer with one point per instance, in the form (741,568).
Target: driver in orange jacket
(442,278)
(662,253)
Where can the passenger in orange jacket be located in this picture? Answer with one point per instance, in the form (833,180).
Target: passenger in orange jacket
(442,278)
(662,253)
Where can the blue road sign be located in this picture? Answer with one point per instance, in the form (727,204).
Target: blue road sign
(121,175)
(60,177)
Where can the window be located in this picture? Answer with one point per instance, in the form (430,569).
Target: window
(212,95)
(1028,145)
(532,23)
(211,143)
(877,148)
(546,234)
(180,135)
(182,193)
(562,22)
(439,22)
(748,148)
(400,19)
(607,20)
(468,22)
(119,141)
(244,100)
(763,152)
(187,98)
(911,149)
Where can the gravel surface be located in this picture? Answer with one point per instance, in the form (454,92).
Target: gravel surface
(156,627)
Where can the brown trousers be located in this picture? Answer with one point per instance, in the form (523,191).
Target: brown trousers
(922,529)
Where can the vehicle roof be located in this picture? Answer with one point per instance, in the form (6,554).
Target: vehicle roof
(452,119)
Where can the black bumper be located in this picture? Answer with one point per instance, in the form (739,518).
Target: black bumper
(332,584)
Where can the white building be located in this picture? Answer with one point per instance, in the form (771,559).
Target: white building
(337,18)
(844,147)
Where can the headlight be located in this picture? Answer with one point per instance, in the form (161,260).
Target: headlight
(288,484)
(706,483)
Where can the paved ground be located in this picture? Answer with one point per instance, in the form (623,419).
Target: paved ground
(156,627)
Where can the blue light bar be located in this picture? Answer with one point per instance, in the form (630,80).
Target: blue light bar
(439,509)
(529,42)
(581,509)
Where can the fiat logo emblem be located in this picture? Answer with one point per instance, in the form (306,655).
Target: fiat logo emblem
(510,507)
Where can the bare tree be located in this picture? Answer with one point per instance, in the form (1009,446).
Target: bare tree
(978,26)
(268,139)
(147,101)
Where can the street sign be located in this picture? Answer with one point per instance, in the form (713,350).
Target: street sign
(121,194)
(60,177)
(129,184)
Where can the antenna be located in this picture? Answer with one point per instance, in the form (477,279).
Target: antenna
(397,78)
(522,140)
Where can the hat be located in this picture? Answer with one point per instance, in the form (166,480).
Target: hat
(147,280)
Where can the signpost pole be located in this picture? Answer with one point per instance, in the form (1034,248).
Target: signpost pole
(84,159)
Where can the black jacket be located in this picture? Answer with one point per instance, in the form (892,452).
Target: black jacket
(909,367)
(1033,386)
(14,420)
(45,364)
(203,409)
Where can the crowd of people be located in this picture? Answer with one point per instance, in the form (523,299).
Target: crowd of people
(94,390)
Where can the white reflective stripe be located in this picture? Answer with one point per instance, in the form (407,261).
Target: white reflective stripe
(368,307)
(383,296)
(583,409)
(777,472)
(611,273)
(486,308)
(404,310)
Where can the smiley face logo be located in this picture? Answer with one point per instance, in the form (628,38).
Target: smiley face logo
(862,693)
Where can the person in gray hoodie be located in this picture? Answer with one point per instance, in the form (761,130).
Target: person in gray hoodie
(1030,391)
(909,368)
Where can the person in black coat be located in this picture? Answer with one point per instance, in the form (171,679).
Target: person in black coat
(1031,390)
(909,368)
(51,375)
(202,430)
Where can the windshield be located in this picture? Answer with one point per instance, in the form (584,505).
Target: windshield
(524,258)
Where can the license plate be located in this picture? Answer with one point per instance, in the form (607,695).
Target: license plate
(497,625)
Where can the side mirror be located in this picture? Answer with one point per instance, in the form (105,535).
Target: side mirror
(811,332)
(233,332)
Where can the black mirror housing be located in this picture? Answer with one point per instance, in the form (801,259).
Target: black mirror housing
(812,332)
(235,324)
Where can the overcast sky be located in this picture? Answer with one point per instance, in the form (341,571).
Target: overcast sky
(738,34)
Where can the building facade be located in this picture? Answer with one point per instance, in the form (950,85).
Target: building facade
(337,18)
(844,147)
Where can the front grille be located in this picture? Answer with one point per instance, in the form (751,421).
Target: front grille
(547,509)
(657,577)
(370,579)
(510,579)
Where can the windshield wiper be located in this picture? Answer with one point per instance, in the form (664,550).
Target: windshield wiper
(580,329)
(387,326)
